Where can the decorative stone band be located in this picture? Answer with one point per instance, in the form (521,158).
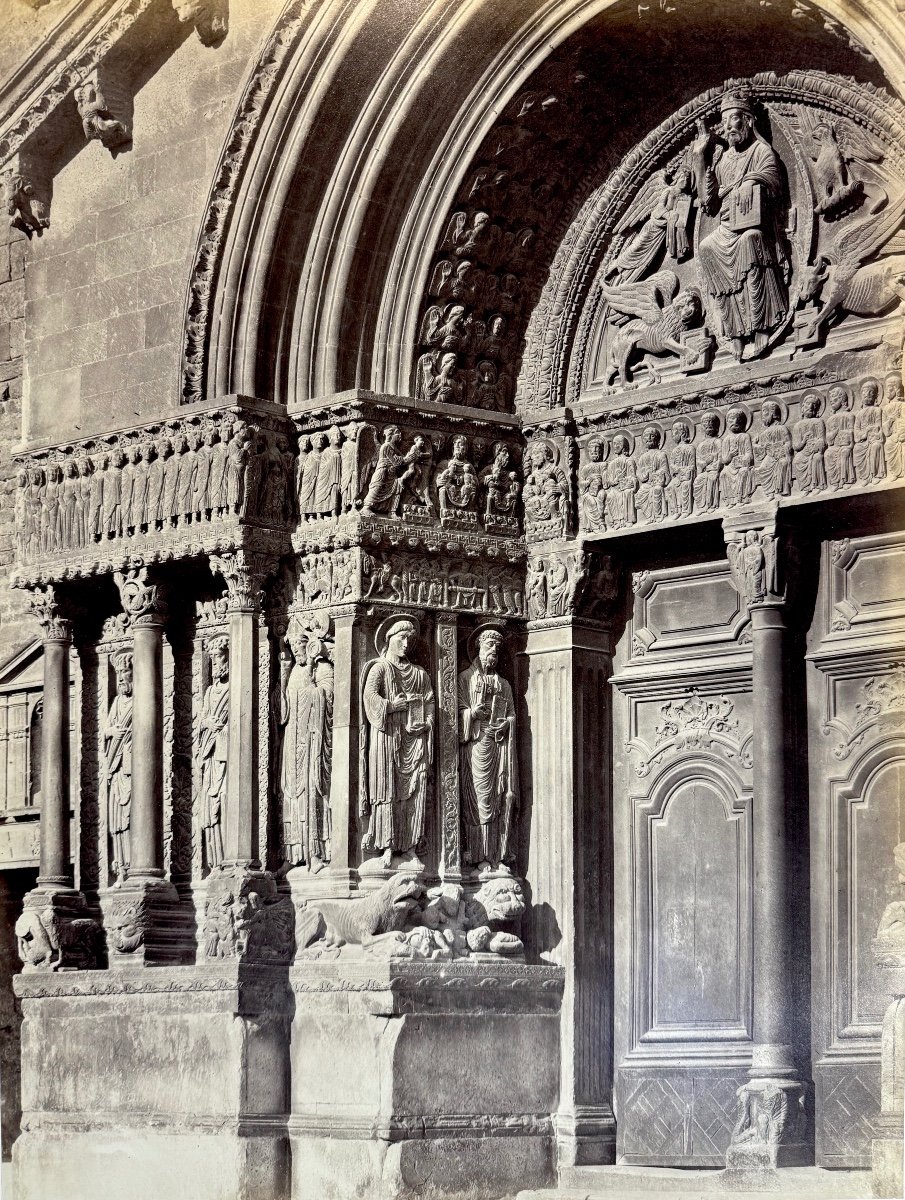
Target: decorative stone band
(395,988)
(217,478)
(402,1127)
(261,985)
(658,465)
(370,466)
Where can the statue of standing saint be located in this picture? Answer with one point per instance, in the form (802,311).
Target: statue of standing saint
(306,712)
(117,766)
(399,706)
(211,746)
(487,757)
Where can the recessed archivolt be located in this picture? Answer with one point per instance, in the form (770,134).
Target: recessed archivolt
(326,227)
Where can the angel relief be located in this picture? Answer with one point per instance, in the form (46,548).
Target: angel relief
(770,224)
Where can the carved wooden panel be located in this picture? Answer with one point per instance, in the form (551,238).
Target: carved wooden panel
(865,586)
(857,784)
(677,1117)
(697,610)
(682,813)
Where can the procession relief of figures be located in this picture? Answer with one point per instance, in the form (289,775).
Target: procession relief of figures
(431,479)
(184,474)
(822,441)
(771,225)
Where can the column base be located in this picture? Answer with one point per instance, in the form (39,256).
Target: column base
(54,931)
(245,918)
(379,1053)
(769,1133)
(585,1136)
(887,1177)
(147,924)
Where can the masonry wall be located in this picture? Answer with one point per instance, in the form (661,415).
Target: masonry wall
(106,283)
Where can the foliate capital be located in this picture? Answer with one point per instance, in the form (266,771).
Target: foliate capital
(46,608)
(245,574)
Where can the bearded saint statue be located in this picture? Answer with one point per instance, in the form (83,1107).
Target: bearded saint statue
(487,756)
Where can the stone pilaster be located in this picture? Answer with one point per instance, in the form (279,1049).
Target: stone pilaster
(54,930)
(568,664)
(143,918)
(448,747)
(770,1131)
(244,918)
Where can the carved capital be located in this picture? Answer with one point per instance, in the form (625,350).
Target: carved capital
(25,190)
(142,597)
(757,558)
(55,932)
(245,574)
(105,108)
(45,606)
(210,18)
(570,582)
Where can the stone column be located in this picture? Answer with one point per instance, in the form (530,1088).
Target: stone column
(567,764)
(143,918)
(54,930)
(243,917)
(773,1100)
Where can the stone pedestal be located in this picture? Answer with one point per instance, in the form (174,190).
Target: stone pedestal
(423,1079)
(161,1082)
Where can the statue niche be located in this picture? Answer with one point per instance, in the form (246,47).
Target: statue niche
(117,768)
(211,739)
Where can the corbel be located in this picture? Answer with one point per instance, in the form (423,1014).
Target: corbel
(105,107)
(210,18)
(26,190)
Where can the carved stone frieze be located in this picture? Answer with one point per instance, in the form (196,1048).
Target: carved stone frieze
(716,461)
(217,479)
(365,465)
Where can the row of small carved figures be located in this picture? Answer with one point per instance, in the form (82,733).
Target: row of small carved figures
(341,471)
(829,446)
(180,479)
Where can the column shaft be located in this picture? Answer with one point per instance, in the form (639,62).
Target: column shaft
(241,817)
(147,752)
(772,924)
(55,766)
(570,921)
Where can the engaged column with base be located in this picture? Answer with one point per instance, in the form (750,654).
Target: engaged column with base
(770,1129)
(54,930)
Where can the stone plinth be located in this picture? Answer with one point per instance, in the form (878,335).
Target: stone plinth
(423,1080)
(154,1082)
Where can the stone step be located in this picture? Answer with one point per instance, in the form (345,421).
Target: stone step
(637,1183)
